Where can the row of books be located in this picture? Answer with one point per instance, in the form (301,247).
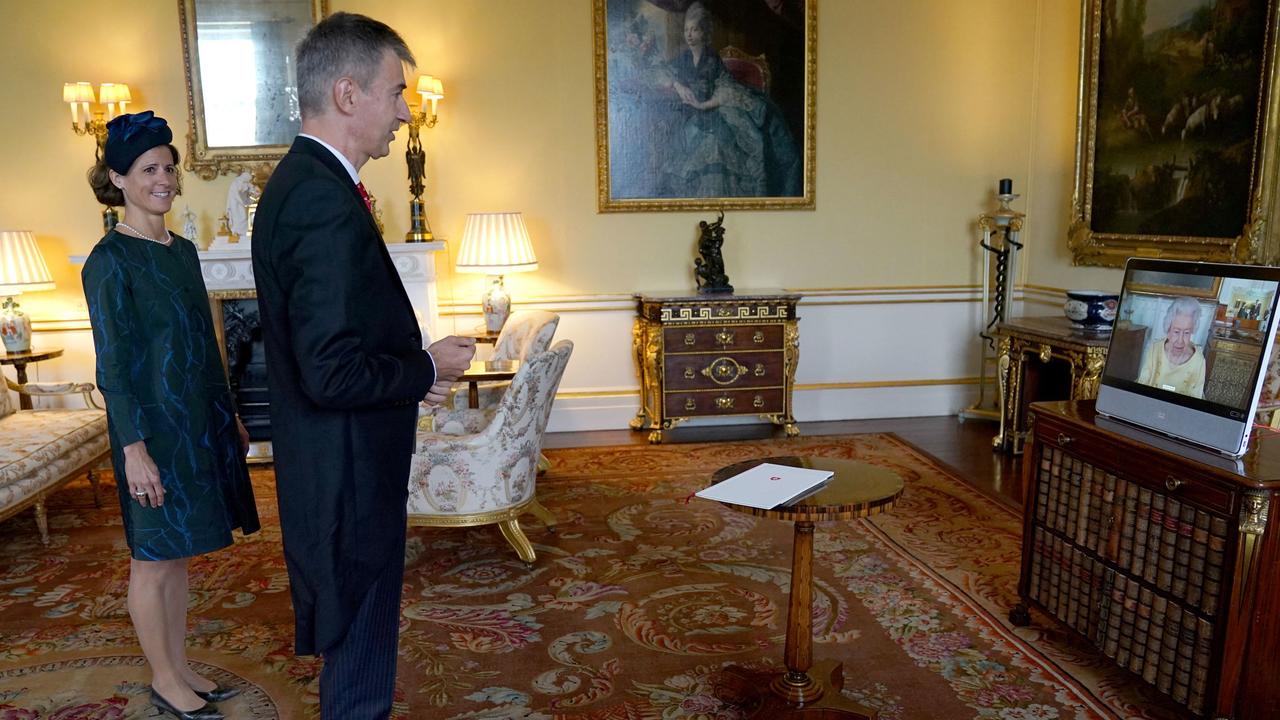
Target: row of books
(1170,646)
(1171,545)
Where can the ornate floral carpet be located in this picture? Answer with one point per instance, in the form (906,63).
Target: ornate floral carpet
(635,606)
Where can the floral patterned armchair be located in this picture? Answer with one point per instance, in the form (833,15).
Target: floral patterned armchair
(488,475)
(42,450)
(526,333)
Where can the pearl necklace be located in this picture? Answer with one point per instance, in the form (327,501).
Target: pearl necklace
(166,241)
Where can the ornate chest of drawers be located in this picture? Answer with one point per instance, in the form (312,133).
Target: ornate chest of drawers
(715,355)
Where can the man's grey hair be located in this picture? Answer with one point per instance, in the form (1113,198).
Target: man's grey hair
(343,44)
(1182,306)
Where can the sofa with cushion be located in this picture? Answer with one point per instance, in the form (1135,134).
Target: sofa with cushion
(42,450)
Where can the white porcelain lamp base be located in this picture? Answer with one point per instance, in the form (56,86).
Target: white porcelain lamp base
(15,328)
(496,304)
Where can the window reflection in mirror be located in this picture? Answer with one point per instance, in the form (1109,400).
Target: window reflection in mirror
(249,86)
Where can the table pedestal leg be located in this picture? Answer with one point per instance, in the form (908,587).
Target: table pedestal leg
(805,690)
(24,400)
(795,685)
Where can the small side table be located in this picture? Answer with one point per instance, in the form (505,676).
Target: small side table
(486,370)
(856,490)
(482,336)
(1043,358)
(20,361)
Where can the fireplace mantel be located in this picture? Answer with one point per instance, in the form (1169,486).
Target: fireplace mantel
(233,270)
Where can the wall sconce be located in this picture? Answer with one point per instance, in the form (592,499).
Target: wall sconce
(415,157)
(79,95)
(495,244)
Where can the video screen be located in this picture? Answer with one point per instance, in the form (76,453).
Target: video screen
(1199,336)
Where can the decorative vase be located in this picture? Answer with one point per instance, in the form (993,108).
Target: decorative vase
(496,304)
(1091,309)
(15,328)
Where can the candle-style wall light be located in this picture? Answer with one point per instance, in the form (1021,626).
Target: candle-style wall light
(432,91)
(88,118)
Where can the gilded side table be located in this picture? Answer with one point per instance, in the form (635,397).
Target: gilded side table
(715,355)
(1043,358)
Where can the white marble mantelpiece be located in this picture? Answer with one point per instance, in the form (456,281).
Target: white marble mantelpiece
(233,270)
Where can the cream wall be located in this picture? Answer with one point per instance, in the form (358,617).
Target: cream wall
(921,106)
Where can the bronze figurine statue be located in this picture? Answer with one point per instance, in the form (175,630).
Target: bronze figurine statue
(709,268)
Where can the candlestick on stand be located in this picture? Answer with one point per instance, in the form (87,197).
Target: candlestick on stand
(1000,246)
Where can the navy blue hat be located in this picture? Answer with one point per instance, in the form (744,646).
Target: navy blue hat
(128,136)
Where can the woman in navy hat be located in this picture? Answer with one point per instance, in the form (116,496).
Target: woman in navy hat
(176,444)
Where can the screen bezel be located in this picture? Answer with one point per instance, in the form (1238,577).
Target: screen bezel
(1242,272)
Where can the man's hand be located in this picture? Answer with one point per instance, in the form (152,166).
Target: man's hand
(452,356)
(438,394)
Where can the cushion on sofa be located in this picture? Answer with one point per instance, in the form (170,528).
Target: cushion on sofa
(39,447)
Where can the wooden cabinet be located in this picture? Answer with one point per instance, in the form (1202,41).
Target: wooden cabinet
(715,355)
(1166,559)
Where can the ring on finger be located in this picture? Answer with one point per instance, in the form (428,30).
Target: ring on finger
(141,493)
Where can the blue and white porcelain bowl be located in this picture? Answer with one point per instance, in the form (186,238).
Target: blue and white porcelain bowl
(1091,309)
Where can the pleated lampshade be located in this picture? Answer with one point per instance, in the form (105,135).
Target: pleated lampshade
(496,244)
(22,267)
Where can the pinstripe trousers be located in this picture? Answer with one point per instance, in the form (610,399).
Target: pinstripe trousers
(358,680)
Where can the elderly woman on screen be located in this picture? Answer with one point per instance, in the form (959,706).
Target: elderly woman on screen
(1174,362)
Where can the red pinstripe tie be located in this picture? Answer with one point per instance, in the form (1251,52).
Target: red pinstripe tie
(364,195)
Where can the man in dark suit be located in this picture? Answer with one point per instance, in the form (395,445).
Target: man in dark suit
(345,364)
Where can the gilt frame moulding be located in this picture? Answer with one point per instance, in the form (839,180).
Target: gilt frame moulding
(1141,189)
(637,43)
(206,161)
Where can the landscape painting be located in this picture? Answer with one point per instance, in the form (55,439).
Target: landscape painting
(1175,98)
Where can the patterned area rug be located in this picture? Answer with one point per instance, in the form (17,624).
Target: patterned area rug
(634,609)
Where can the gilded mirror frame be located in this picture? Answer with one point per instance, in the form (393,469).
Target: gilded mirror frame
(206,162)
(1257,243)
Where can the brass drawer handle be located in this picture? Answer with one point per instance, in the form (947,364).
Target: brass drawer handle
(724,371)
(690,338)
(1065,440)
(758,402)
(759,369)
(688,373)
(690,404)
(1172,483)
(758,337)
(724,337)
(724,403)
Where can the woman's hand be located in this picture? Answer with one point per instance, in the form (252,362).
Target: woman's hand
(686,95)
(142,476)
(244,435)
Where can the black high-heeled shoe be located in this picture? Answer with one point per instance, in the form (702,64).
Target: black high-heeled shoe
(217,694)
(205,712)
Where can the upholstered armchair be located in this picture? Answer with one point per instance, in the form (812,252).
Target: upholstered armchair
(42,450)
(481,468)
(526,333)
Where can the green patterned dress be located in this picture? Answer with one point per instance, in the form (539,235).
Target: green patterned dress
(161,374)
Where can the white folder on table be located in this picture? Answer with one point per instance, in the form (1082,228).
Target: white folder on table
(767,486)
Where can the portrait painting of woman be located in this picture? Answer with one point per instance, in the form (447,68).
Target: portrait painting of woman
(706,101)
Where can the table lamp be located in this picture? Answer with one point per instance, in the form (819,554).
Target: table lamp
(496,244)
(22,269)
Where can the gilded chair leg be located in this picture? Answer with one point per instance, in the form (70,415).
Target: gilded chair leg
(543,463)
(543,514)
(514,535)
(42,520)
(93,483)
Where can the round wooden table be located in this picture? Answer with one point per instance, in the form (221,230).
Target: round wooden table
(20,360)
(486,370)
(856,490)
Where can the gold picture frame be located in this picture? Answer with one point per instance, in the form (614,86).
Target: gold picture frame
(1151,131)
(267,31)
(647,136)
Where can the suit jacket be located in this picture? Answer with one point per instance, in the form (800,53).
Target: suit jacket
(346,369)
